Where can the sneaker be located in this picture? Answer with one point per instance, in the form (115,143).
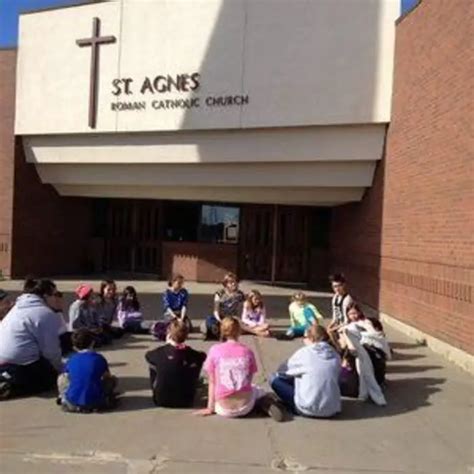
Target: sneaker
(277,411)
(5,390)
(271,405)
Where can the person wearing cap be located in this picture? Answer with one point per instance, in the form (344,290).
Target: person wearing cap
(83,314)
(6,303)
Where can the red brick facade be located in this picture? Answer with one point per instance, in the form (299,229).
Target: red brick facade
(407,248)
(51,234)
(7,145)
(199,261)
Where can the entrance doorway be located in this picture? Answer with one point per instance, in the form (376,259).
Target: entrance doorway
(133,237)
(274,243)
(270,243)
(256,241)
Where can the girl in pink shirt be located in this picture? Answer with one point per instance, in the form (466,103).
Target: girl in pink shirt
(230,367)
(253,315)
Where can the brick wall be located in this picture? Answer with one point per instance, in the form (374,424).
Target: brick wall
(408,247)
(7,145)
(199,261)
(51,233)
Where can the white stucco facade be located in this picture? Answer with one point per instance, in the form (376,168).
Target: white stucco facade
(287,101)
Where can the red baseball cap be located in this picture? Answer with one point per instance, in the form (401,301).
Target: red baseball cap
(83,291)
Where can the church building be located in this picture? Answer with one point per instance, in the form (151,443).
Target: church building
(277,139)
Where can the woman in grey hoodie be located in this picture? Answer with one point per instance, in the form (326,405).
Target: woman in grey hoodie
(30,353)
(308,382)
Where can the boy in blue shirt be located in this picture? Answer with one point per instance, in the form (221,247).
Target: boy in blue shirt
(86,384)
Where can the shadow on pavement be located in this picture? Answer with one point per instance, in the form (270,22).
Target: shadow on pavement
(410,369)
(117,364)
(404,345)
(130,383)
(403,396)
(398,356)
(134,403)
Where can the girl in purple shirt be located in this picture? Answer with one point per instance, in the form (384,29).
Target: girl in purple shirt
(253,315)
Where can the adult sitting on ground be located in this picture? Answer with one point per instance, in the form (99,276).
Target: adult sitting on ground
(30,353)
(308,384)
(57,305)
(175,369)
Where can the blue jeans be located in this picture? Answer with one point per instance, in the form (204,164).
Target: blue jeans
(296,331)
(284,387)
(212,328)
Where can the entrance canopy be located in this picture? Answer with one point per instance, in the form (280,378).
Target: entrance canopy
(268,101)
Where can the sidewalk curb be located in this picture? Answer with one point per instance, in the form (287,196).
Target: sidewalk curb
(461,358)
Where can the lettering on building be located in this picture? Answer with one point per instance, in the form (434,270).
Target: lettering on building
(152,91)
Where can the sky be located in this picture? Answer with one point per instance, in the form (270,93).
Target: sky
(10,9)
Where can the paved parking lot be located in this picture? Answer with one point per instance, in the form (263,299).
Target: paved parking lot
(426,427)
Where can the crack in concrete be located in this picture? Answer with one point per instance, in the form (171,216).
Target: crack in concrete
(159,462)
(134,466)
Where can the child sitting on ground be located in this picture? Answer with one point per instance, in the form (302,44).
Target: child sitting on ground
(107,308)
(175,301)
(253,315)
(83,315)
(86,384)
(227,303)
(175,369)
(308,383)
(340,301)
(231,366)
(303,314)
(129,316)
(359,337)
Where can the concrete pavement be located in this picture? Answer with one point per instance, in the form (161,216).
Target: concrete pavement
(427,426)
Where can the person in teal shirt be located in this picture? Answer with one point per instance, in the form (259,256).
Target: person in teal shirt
(303,314)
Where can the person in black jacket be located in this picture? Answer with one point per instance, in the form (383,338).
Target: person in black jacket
(174,369)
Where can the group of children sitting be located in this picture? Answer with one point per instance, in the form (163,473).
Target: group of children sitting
(347,358)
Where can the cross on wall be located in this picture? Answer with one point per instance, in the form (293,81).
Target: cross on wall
(94,42)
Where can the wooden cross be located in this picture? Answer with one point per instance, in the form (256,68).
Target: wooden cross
(94,42)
